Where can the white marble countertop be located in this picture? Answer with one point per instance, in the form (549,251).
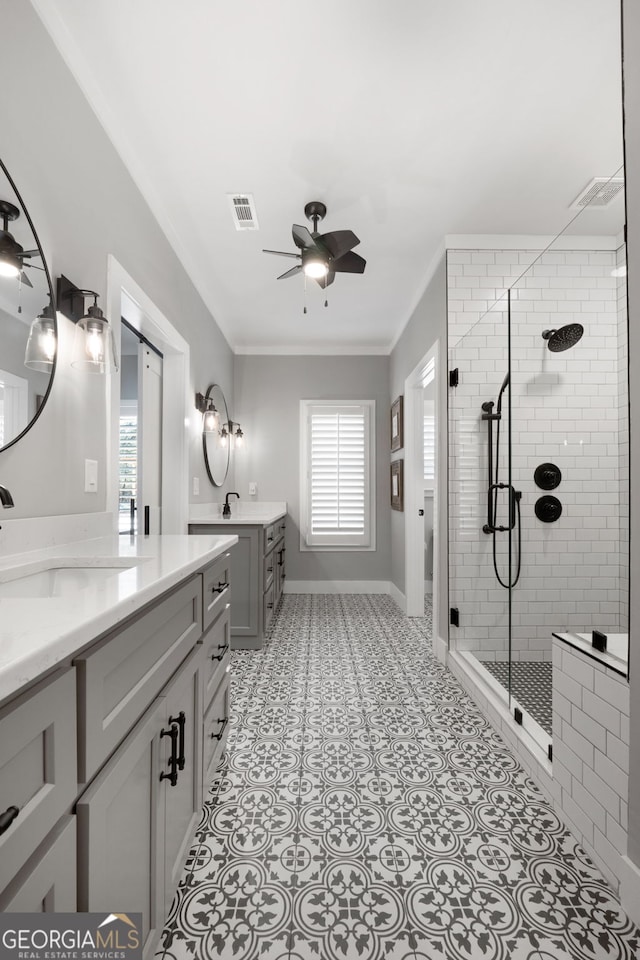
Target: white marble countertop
(36,633)
(243,512)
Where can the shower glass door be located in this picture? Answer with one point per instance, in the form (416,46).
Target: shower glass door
(569,451)
(478,452)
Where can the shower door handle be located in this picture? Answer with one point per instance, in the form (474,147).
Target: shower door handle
(514,497)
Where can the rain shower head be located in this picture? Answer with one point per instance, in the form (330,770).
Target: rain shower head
(564,337)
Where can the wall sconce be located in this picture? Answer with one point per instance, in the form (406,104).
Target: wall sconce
(93,349)
(232,431)
(210,415)
(42,343)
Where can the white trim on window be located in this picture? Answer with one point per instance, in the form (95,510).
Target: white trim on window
(337,475)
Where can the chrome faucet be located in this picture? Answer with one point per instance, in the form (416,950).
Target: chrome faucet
(5,497)
(226,510)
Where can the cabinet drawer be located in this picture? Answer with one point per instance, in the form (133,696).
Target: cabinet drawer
(37,767)
(216,590)
(268,606)
(47,882)
(217,642)
(270,537)
(216,730)
(281,526)
(269,568)
(119,678)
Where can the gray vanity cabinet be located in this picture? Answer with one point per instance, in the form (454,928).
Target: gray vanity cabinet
(134,828)
(258,573)
(139,720)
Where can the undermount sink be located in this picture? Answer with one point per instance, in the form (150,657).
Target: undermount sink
(61,577)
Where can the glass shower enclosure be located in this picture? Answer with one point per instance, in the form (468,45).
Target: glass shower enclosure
(538,455)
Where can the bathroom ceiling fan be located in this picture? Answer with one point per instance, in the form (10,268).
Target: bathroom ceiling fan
(322,255)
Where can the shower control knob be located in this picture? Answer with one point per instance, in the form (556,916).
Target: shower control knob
(547,476)
(548,509)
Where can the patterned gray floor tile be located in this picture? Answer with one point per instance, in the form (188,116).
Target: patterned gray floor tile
(367,811)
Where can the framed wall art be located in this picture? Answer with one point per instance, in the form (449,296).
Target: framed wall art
(397,484)
(397,426)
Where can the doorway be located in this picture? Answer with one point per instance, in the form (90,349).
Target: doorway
(421,403)
(140,437)
(127,301)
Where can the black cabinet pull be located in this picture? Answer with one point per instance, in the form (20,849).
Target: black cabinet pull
(222,586)
(220,733)
(181,721)
(223,647)
(7,818)
(172,775)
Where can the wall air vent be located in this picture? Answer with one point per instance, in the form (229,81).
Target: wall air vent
(243,211)
(599,192)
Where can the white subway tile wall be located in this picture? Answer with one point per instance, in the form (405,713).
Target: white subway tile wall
(567,408)
(590,760)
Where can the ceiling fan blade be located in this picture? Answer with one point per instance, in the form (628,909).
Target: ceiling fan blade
(281,253)
(349,263)
(302,238)
(290,273)
(339,242)
(25,279)
(325,281)
(30,253)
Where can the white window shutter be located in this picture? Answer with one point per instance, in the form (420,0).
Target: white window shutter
(429,440)
(338,475)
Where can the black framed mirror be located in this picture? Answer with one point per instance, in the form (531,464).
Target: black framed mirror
(215,444)
(28,326)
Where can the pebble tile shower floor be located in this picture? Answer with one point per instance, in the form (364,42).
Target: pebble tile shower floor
(367,811)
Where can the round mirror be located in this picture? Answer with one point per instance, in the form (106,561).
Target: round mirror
(28,328)
(215,439)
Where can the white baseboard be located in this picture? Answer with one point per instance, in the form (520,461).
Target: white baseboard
(630,888)
(399,597)
(441,649)
(338,586)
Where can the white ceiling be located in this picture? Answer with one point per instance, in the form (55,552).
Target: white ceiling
(410,119)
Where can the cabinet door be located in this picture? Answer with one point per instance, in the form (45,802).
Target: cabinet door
(246,573)
(47,882)
(183,802)
(37,767)
(121,831)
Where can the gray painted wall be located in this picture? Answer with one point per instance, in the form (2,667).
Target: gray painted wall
(631,31)
(268,390)
(428,324)
(85,205)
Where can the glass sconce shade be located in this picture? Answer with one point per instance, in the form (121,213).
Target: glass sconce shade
(239,437)
(224,437)
(42,344)
(210,420)
(93,348)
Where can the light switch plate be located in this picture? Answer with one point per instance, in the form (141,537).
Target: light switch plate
(91,476)
(196,486)
(253,489)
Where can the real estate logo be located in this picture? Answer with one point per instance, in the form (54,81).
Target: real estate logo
(70,936)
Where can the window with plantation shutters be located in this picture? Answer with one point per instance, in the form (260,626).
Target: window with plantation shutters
(337,452)
(429,447)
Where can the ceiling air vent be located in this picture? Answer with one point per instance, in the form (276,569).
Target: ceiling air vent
(599,192)
(243,210)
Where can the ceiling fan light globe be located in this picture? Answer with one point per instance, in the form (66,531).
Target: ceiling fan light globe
(316,269)
(9,266)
